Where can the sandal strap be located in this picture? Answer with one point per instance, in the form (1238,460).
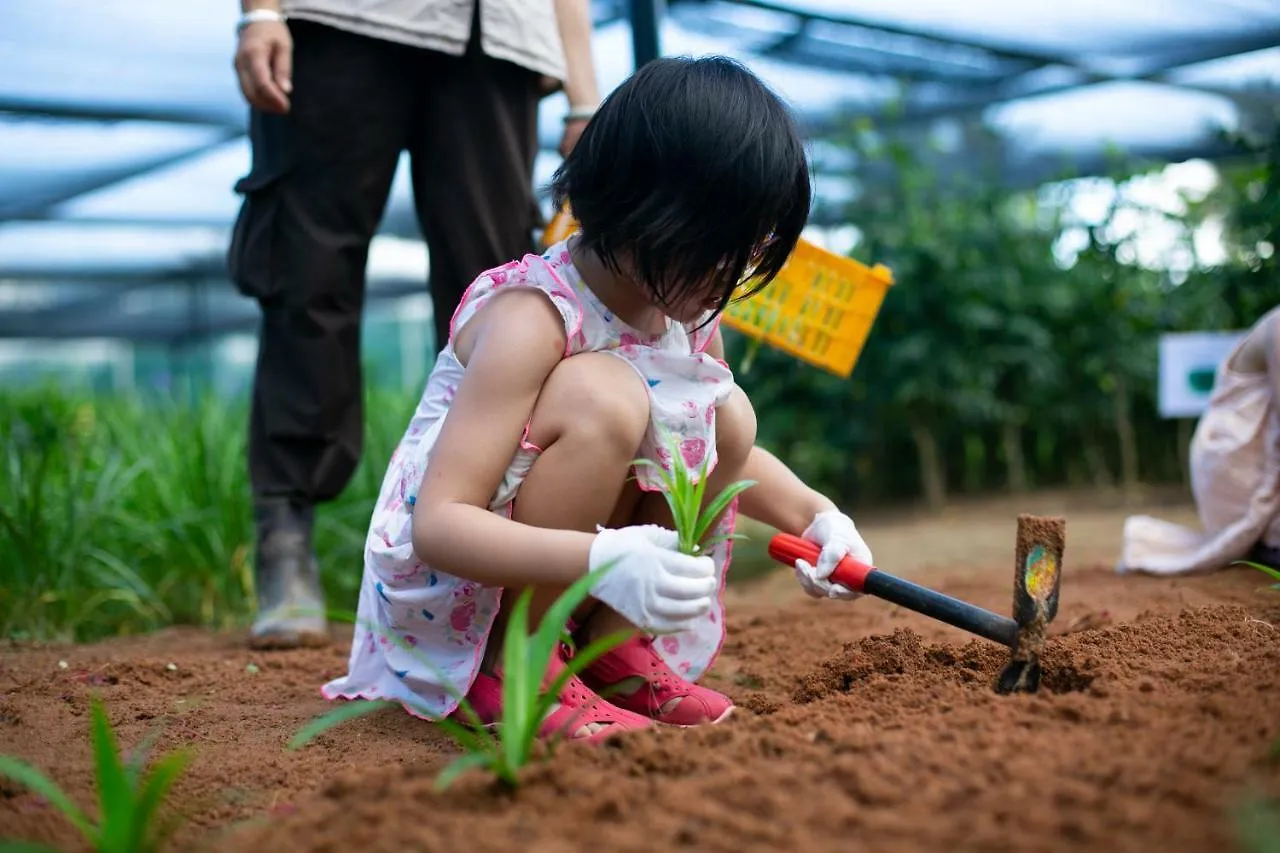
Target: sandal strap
(639,659)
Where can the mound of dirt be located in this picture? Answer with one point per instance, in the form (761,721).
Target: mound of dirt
(1144,734)
(904,654)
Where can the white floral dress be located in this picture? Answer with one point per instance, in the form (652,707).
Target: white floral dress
(419,629)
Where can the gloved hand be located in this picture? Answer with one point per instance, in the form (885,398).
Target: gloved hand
(837,536)
(652,585)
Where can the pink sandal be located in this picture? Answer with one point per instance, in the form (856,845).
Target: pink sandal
(577,707)
(637,659)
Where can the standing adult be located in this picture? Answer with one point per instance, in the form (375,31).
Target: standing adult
(337,89)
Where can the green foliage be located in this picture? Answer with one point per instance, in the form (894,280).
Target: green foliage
(129,800)
(685,499)
(123,515)
(1018,348)
(1267,570)
(506,747)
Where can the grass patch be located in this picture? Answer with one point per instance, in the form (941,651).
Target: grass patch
(128,514)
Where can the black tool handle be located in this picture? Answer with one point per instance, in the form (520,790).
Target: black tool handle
(944,608)
(863,578)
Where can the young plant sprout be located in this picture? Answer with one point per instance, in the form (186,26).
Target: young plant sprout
(128,800)
(685,498)
(505,748)
(1267,570)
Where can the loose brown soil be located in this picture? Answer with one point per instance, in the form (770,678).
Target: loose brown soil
(861,727)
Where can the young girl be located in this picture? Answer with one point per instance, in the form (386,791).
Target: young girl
(517,471)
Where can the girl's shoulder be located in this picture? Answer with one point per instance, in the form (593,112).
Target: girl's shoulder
(551,273)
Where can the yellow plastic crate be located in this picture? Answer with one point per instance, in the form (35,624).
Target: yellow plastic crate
(819,309)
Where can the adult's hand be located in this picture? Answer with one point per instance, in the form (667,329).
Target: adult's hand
(264,64)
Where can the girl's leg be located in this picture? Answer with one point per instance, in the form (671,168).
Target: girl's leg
(735,437)
(588,422)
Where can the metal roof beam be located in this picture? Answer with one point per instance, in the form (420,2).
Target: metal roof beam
(108,112)
(168,327)
(129,278)
(871,24)
(979,98)
(26,206)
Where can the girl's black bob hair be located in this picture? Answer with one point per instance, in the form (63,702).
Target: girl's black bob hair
(693,173)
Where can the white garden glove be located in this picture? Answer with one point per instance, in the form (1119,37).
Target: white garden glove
(652,585)
(837,536)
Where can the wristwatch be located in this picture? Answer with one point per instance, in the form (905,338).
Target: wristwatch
(258,16)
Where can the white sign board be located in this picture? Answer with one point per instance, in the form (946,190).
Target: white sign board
(1188,364)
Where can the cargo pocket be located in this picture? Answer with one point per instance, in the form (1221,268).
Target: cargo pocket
(252,257)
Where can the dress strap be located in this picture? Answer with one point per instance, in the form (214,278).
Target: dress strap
(538,272)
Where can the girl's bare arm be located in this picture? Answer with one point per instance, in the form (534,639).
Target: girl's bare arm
(779,499)
(509,348)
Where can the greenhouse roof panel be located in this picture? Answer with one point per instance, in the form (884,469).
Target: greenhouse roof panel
(122,128)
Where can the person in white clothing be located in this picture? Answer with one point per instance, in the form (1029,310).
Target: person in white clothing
(338,90)
(1235,471)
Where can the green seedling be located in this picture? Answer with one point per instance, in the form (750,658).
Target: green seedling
(505,748)
(1257,823)
(1267,570)
(129,800)
(685,498)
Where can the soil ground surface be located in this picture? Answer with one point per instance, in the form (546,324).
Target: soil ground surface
(860,726)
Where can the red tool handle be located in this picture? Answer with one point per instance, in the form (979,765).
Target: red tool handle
(849,573)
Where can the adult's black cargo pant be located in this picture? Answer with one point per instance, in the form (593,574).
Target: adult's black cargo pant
(315,196)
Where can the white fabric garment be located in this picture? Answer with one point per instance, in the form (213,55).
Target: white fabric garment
(1235,479)
(524,32)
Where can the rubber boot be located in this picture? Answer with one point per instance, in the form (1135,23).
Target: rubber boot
(287,577)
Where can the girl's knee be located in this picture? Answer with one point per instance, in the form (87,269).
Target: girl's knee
(594,398)
(735,429)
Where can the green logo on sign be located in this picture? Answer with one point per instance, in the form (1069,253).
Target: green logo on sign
(1201,379)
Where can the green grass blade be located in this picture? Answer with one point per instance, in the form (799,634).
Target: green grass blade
(1267,570)
(343,713)
(478,741)
(684,493)
(575,666)
(561,611)
(115,794)
(41,785)
(521,681)
(708,544)
(136,761)
(717,507)
(460,765)
(583,659)
(164,773)
(538,651)
(473,720)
